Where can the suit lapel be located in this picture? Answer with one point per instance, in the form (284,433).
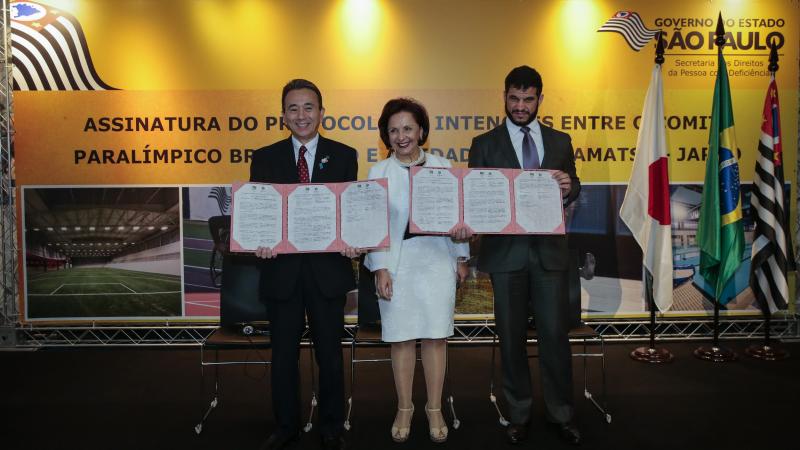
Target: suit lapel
(505,147)
(288,161)
(317,174)
(547,141)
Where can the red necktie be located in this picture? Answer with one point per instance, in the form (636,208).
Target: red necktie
(302,166)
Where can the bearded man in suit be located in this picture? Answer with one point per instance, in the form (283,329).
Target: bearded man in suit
(310,284)
(530,272)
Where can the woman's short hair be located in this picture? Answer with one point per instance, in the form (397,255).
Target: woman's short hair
(408,105)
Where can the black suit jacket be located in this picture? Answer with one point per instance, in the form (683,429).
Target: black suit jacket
(276,164)
(505,253)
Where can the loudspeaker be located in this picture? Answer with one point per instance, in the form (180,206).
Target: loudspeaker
(574,289)
(239,282)
(239,299)
(368,310)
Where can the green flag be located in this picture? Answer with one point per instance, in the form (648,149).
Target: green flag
(720,234)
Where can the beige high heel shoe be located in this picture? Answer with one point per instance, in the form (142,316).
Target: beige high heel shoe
(437,435)
(400,434)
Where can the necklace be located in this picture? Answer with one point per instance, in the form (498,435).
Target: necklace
(420,159)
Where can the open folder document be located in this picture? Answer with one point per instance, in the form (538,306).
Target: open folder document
(488,201)
(310,217)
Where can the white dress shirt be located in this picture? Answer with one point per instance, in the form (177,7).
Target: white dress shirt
(516,134)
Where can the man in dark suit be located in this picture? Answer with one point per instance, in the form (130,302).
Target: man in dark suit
(530,270)
(312,284)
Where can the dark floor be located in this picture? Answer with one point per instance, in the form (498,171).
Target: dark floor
(153,398)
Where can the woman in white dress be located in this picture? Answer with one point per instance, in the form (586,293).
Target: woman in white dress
(416,277)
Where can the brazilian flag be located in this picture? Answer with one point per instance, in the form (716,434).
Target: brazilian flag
(720,233)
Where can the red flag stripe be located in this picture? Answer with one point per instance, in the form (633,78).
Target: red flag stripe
(658,196)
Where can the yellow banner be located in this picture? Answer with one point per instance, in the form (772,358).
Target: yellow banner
(180,93)
(216,63)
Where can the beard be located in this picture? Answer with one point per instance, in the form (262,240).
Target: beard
(531,118)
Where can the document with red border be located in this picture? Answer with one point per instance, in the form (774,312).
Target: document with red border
(310,217)
(487,201)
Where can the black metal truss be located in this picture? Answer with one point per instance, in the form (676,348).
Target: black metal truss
(466,332)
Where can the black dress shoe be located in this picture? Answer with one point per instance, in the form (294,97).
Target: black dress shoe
(335,442)
(517,432)
(280,441)
(568,432)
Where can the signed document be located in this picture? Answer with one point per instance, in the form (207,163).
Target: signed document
(365,214)
(435,200)
(487,201)
(311,217)
(306,218)
(538,202)
(258,219)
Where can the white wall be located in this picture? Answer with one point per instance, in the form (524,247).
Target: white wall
(165,266)
(164,260)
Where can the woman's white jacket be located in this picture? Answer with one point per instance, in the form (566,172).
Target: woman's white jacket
(399,202)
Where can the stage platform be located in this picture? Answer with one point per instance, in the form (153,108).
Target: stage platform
(151,398)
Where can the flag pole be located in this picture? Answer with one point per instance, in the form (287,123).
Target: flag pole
(652,354)
(767,351)
(716,353)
